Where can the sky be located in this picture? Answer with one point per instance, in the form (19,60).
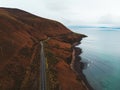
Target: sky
(71,12)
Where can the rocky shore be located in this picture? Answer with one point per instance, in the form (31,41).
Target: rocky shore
(78,66)
(20,34)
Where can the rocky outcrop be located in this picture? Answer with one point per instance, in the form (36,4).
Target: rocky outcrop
(20,33)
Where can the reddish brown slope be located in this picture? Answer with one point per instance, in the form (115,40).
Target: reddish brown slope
(20,33)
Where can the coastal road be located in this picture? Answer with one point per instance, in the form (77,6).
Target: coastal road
(42,68)
(43,65)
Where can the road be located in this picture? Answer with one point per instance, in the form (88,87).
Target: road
(42,68)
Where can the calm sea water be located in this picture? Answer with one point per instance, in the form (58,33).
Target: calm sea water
(101,50)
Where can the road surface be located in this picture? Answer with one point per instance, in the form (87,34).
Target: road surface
(42,68)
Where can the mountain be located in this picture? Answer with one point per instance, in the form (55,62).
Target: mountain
(97,26)
(20,36)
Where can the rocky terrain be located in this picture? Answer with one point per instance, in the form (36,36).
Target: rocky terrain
(20,34)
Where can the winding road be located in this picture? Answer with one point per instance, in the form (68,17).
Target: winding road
(42,68)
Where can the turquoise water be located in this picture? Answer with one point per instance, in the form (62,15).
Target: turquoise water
(101,50)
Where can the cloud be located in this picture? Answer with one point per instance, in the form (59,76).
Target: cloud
(56,5)
(71,11)
(109,19)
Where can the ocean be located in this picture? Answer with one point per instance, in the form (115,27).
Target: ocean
(101,52)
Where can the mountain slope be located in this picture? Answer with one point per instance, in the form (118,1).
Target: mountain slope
(20,34)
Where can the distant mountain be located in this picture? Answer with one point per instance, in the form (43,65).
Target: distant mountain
(82,26)
(77,26)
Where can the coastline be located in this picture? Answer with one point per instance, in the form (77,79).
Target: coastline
(77,66)
(22,45)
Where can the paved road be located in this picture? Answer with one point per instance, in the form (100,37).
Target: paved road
(42,68)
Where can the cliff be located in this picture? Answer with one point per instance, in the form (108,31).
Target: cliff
(20,34)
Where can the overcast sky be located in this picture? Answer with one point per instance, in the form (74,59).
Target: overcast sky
(71,12)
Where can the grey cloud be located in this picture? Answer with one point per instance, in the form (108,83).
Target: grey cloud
(109,19)
(56,5)
(71,11)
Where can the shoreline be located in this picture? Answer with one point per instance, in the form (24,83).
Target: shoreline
(75,62)
(22,46)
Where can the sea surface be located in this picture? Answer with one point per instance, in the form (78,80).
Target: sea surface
(101,52)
